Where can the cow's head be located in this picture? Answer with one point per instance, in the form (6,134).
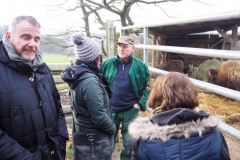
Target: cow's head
(211,75)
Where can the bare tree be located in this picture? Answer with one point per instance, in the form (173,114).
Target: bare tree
(87,10)
(121,8)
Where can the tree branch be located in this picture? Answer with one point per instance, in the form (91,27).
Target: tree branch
(155,2)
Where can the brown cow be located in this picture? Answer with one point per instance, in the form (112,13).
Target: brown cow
(227,75)
(172,66)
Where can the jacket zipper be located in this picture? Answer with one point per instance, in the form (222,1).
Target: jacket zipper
(123,65)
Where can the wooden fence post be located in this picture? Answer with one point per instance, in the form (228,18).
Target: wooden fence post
(110,39)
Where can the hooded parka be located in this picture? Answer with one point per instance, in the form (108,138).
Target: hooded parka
(90,102)
(178,134)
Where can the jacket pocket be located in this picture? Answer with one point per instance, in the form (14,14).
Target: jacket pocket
(94,146)
(17,122)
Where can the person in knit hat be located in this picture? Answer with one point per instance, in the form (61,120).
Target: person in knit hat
(90,93)
(85,49)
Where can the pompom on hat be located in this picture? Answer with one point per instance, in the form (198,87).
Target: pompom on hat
(86,49)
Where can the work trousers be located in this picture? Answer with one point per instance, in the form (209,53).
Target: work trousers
(124,119)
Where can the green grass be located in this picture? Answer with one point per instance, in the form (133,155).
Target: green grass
(69,152)
(55,58)
(62,86)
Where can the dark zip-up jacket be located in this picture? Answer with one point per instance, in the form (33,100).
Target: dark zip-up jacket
(90,102)
(32,123)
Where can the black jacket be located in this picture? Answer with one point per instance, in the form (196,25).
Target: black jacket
(32,123)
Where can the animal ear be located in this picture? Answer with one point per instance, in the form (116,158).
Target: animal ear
(209,73)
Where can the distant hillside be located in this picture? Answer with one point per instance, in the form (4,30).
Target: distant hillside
(56,58)
(57,44)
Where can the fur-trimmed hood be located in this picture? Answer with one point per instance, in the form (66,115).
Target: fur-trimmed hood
(149,128)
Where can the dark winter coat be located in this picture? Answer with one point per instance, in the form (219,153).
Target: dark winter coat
(32,126)
(90,102)
(178,134)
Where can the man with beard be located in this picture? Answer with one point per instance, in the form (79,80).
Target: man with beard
(32,123)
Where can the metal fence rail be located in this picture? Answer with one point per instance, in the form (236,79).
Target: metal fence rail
(226,54)
(226,92)
(213,88)
(235,55)
(222,126)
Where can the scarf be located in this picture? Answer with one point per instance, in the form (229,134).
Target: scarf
(94,68)
(15,57)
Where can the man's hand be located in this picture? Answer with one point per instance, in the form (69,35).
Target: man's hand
(136,106)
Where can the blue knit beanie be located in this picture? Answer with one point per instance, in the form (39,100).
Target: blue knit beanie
(86,49)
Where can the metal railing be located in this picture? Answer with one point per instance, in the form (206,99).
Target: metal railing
(215,89)
(222,126)
(226,92)
(235,55)
(207,86)
(225,54)
(201,84)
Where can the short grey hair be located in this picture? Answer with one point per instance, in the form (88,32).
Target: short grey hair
(18,19)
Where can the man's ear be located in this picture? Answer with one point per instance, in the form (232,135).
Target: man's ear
(8,35)
(133,47)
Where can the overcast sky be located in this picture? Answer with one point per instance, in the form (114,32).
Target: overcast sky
(52,19)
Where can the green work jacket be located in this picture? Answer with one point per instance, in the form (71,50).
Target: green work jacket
(139,75)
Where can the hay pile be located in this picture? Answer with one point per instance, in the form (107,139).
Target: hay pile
(227,109)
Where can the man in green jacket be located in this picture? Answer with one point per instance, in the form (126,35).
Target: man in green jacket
(128,78)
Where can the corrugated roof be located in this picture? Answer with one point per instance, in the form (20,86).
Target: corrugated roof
(183,26)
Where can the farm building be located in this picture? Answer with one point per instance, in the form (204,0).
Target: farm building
(215,31)
(194,40)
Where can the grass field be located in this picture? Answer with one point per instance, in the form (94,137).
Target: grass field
(55,58)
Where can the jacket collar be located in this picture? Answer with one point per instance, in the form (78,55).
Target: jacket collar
(19,66)
(73,73)
(137,129)
(128,61)
(177,116)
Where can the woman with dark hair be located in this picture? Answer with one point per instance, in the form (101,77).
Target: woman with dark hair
(175,130)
